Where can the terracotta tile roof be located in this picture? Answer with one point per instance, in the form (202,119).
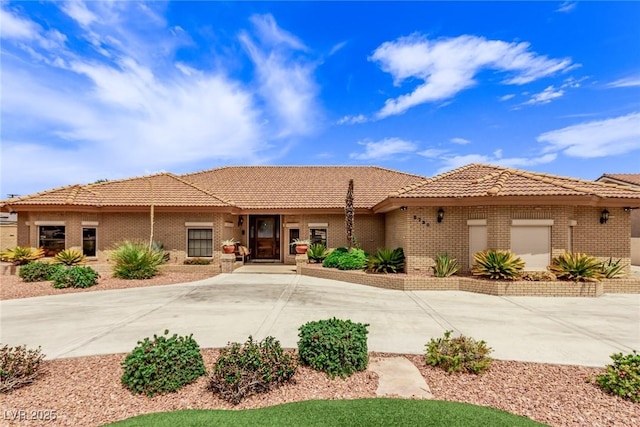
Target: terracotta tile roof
(628,178)
(168,190)
(282,187)
(478,180)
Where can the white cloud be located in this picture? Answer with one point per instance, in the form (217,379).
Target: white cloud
(384,149)
(15,27)
(432,153)
(633,81)
(506,97)
(352,120)
(337,47)
(79,12)
(600,138)
(286,82)
(567,6)
(271,34)
(546,96)
(447,66)
(459,141)
(124,111)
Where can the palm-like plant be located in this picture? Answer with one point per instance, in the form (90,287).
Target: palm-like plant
(386,261)
(497,264)
(69,257)
(445,265)
(611,269)
(317,252)
(21,255)
(136,260)
(577,267)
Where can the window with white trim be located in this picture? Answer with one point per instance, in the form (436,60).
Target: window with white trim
(200,242)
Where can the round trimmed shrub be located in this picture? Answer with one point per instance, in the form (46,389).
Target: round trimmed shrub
(355,259)
(162,365)
(335,346)
(331,261)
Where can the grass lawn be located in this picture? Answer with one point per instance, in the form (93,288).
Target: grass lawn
(361,412)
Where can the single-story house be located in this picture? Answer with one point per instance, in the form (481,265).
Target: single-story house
(468,209)
(633,180)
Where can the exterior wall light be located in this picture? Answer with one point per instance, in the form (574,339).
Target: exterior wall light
(403,208)
(440,214)
(240,221)
(604,216)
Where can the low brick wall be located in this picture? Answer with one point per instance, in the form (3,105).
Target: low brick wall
(408,282)
(622,286)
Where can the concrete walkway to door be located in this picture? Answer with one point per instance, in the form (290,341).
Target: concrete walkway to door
(230,307)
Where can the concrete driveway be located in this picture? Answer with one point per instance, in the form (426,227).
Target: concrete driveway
(230,307)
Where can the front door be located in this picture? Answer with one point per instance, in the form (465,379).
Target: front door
(264,236)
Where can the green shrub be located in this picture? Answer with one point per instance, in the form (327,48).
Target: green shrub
(75,277)
(162,365)
(445,266)
(19,366)
(159,247)
(37,271)
(331,261)
(355,259)
(386,261)
(21,255)
(317,253)
(460,354)
(244,370)
(622,378)
(335,346)
(197,261)
(577,267)
(136,260)
(611,270)
(497,264)
(69,257)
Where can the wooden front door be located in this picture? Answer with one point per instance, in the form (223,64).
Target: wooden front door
(264,236)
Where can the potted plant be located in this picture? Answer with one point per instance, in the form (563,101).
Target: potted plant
(229,246)
(301,245)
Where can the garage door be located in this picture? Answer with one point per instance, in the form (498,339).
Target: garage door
(532,243)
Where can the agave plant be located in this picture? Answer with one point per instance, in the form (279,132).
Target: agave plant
(497,264)
(69,257)
(611,270)
(577,267)
(22,255)
(445,266)
(386,261)
(317,252)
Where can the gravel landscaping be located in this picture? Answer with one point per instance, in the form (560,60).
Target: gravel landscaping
(87,392)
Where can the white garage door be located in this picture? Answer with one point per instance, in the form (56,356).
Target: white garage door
(533,245)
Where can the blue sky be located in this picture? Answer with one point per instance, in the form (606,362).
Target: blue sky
(108,90)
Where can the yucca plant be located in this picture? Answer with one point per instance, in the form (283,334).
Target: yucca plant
(577,267)
(22,255)
(445,266)
(69,257)
(317,252)
(136,260)
(497,264)
(386,261)
(611,269)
